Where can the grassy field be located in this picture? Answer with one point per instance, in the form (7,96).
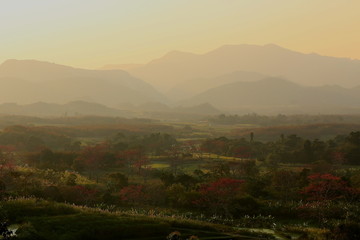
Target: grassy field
(160,165)
(40,219)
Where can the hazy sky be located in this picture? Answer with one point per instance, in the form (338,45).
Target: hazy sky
(91,33)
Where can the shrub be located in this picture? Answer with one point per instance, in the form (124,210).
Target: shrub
(346,231)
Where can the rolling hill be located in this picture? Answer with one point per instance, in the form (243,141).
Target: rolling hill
(193,87)
(28,81)
(76,108)
(275,95)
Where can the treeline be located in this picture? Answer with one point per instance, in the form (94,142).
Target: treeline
(9,120)
(290,149)
(119,151)
(323,131)
(35,138)
(281,119)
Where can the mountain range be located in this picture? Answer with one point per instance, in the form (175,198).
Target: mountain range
(178,68)
(276,95)
(81,108)
(193,87)
(76,108)
(29,81)
(233,78)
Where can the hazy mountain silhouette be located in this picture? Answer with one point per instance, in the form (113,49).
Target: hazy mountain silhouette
(125,67)
(191,88)
(309,69)
(156,107)
(153,106)
(26,81)
(76,108)
(81,108)
(228,78)
(200,109)
(179,113)
(274,95)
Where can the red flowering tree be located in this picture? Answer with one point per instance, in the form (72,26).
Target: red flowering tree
(325,187)
(322,191)
(79,194)
(92,157)
(134,194)
(217,196)
(85,194)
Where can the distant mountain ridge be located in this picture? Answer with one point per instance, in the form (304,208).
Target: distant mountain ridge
(196,86)
(176,68)
(234,78)
(275,95)
(26,81)
(82,108)
(76,108)
(156,107)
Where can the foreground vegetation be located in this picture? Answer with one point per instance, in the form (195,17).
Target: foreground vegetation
(92,183)
(42,219)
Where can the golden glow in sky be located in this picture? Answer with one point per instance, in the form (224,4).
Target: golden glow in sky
(92,33)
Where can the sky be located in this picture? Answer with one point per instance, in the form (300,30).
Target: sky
(93,33)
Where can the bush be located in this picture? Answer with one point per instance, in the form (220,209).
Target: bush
(245,205)
(346,231)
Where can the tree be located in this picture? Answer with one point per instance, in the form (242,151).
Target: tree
(85,194)
(352,148)
(284,184)
(116,181)
(158,143)
(7,157)
(245,169)
(325,187)
(7,162)
(133,194)
(176,157)
(143,166)
(220,170)
(217,196)
(322,191)
(131,156)
(95,157)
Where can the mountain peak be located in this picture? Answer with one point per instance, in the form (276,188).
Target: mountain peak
(29,62)
(50,82)
(204,108)
(276,80)
(246,48)
(272,45)
(22,68)
(177,54)
(234,46)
